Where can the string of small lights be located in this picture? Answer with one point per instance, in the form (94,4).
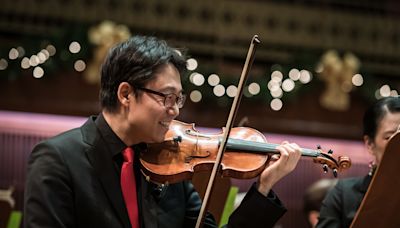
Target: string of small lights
(272,88)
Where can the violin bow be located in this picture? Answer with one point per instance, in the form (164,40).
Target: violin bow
(234,108)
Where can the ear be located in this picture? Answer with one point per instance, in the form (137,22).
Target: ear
(124,93)
(313,218)
(369,144)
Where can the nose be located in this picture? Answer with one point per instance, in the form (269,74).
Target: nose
(174,110)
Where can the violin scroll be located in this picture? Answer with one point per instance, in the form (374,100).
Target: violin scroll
(328,161)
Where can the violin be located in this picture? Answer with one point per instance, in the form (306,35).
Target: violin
(186,151)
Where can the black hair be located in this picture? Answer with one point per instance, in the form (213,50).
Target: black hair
(315,194)
(135,61)
(376,112)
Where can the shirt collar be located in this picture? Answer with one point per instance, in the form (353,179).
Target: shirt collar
(116,145)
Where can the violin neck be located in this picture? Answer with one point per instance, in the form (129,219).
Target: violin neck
(260,147)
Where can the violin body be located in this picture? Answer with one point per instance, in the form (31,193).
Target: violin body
(186,151)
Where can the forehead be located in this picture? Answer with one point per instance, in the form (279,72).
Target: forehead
(166,79)
(389,123)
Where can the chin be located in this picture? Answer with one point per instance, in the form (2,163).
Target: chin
(158,139)
(156,136)
(161,139)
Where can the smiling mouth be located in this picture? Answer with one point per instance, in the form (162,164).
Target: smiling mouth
(165,124)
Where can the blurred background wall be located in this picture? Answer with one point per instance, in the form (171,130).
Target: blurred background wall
(320,62)
(319,65)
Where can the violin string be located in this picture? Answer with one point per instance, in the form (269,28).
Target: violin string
(261,147)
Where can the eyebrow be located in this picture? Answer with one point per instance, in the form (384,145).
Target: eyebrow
(389,132)
(172,90)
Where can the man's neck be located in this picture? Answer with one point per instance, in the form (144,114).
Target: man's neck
(120,127)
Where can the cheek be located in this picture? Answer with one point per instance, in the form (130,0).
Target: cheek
(151,109)
(381,144)
(380,148)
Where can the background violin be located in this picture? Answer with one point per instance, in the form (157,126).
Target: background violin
(186,151)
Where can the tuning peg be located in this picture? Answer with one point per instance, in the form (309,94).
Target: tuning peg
(325,168)
(318,147)
(335,173)
(330,151)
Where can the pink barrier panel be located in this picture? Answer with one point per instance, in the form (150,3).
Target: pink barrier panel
(19,132)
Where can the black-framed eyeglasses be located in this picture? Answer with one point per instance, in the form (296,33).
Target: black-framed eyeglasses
(170,99)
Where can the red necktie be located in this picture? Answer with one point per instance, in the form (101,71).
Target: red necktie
(128,185)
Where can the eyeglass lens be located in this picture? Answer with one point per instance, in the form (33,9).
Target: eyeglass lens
(171,99)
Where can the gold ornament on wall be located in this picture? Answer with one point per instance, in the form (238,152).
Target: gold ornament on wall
(337,73)
(104,36)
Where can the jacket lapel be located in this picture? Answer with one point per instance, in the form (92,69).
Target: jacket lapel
(102,163)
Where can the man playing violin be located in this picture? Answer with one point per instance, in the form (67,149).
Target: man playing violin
(80,177)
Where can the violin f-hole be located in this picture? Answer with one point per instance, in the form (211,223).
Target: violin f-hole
(189,158)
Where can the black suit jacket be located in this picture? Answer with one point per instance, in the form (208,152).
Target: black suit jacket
(342,202)
(72,182)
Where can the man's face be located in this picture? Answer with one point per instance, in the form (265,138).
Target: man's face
(149,117)
(386,128)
